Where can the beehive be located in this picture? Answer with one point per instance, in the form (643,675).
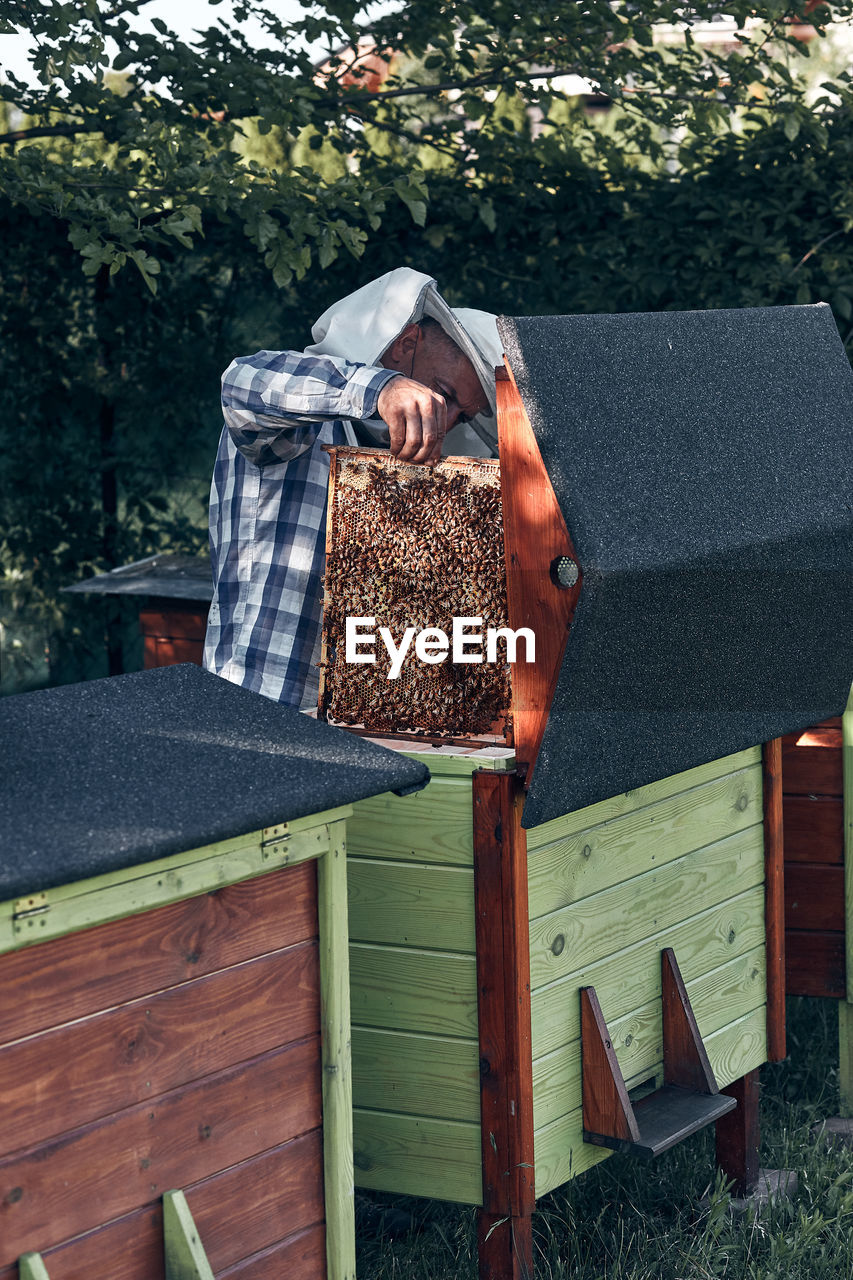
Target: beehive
(414,546)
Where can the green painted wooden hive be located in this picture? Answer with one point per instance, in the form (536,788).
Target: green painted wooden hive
(574,943)
(174,1032)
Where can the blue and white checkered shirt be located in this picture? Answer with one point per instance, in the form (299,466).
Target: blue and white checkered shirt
(268,514)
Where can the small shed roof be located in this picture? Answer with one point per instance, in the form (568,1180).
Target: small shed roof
(703,462)
(174,576)
(111,773)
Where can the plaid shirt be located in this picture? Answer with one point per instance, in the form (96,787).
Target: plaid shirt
(268,514)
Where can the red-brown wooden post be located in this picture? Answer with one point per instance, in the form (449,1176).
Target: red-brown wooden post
(738,1135)
(504,1233)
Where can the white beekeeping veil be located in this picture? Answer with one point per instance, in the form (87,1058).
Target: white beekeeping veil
(362,326)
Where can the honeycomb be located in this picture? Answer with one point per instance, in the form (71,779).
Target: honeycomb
(414,546)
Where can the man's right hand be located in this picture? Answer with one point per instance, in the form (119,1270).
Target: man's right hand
(416,418)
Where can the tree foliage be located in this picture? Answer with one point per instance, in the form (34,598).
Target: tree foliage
(166,203)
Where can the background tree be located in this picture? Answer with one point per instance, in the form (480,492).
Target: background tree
(167,203)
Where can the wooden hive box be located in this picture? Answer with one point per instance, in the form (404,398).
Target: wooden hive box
(513,926)
(817,785)
(174,1033)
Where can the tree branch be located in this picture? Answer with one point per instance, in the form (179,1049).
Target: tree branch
(50,131)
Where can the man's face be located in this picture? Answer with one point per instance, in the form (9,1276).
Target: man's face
(423,356)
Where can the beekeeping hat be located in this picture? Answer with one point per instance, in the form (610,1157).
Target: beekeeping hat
(362,326)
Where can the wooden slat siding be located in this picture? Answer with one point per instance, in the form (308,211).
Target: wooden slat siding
(702,942)
(814,829)
(719,997)
(110,1167)
(409,905)
(646,904)
(238,1212)
(406,989)
(71,1075)
(814,964)
(117,895)
(598,857)
(814,897)
(434,825)
(418,1156)
(535,534)
(614,807)
(561,1153)
(163,651)
(416,1075)
(774,898)
(301,1257)
(182,624)
(151,952)
(812,770)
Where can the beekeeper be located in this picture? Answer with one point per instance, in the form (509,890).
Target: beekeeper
(391,365)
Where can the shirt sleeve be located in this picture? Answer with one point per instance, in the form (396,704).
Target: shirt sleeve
(275,402)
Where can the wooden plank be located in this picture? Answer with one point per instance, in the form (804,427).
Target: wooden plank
(812,770)
(718,997)
(302,1257)
(504,1246)
(442,763)
(774,898)
(628,979)
(685,1062)
(159,949)
(738,1135)
(503,987)
(409,990)
(185,1255)
(409,905)
(814,897)
(119,894)
(337,1062)
(434,825)
(31,1267)
(814,829)
(606,1109)
(814,964)
(109,1168)
(578,866)
(619,916)
(416,1074)
(535,534)
(847,768)
(845,1058)
(240,1211)
(417,1156)
(91,1068)
(561,1153)
(614,807)
(163,651)
(183,623)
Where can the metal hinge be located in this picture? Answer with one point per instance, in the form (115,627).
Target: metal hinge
(35,904)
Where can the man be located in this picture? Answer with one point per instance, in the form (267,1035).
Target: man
(391,365)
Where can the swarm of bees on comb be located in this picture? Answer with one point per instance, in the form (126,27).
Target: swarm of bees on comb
(414,546)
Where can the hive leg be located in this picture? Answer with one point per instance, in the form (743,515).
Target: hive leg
(738,1135)
(504,1247)
(845,1058)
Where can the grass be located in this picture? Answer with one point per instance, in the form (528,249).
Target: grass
(669,1220)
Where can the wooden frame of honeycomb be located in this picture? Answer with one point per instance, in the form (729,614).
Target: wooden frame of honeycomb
(414,546)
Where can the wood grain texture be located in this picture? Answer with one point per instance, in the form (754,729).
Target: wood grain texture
(845,1058)
(561,1153)
(416,1074)
(504,1247)
(621,915)
(627,980)
(815,964)
(244,1209)
(405,989)
(774,898)
(301,1257)
(814,829)
(503,989)
(738,1135)
(685,1062)
(814,897)
(156,950)
(111,1167)
(434,825)
(812,769)
(646,838)
(627,802)
(418,1156)
(409,905)
(179,623)
(90,1069)
(719,997)
(535,534)
(607,1111)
